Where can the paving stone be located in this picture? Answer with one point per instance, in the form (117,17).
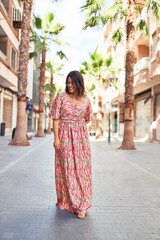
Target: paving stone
(126,194)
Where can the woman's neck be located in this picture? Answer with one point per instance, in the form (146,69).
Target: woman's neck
(73,95)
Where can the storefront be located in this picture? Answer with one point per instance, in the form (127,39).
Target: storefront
(157,107)
(143,116)
(7,111)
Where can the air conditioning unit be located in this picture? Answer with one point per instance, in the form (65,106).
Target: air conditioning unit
(17,18)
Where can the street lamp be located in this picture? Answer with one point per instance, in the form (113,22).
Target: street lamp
(108,106)
(46,99)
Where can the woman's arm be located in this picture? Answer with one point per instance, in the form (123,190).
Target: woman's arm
(56,143)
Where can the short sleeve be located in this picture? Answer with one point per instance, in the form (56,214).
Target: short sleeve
(55,111)
(88,112)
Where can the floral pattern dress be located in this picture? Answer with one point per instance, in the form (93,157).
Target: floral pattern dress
(73,172)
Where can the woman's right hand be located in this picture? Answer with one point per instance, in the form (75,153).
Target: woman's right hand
(57,144)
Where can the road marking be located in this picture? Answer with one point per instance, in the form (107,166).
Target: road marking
(6,168)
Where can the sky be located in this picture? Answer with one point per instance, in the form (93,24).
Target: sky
(67,12)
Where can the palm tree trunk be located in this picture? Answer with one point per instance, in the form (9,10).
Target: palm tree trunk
(20,138)
(40,131)
(50,103)
(128,143)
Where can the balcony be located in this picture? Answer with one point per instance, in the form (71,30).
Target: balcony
(154,72)
(155,60)
(141,39)
(142,64)
(141,70)
(3,56)
(3,44)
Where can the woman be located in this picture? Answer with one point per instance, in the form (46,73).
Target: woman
(71,111)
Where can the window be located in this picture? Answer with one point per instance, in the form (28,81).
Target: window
(3,41)
(3,47)
(13,59)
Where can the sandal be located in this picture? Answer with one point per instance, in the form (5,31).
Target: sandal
(81,215)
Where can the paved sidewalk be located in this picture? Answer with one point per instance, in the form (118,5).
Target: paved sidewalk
(126,193)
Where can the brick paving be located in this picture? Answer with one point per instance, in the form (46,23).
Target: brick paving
(126,193)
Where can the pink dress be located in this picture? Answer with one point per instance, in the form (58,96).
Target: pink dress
(73,173)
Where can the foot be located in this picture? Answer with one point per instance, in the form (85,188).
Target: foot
(81,215)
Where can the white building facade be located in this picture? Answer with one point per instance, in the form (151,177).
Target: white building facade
(10,29)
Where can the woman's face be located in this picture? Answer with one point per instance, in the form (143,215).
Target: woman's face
(70,85)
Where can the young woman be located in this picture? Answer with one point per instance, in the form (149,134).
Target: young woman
(71,111)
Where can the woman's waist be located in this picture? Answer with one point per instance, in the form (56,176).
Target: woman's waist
(75,122)
(72,120)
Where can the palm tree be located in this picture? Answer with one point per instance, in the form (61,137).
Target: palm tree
(20,138)
(97,15)
(45,31)
(52,69)
(98,67)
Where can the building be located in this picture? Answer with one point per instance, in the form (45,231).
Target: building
(112,98)
(146,79)
(147,82)
(10,25)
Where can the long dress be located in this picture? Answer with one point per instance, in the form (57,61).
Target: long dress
(73,171)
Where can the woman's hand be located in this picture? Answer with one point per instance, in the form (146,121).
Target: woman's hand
(84,121)
(57,144)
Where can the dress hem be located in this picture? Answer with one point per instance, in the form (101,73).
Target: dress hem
(72,210)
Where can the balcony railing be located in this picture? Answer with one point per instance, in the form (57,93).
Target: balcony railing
(142,64)
(3,56)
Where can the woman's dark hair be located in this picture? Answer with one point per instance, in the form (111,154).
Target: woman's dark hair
(78,81)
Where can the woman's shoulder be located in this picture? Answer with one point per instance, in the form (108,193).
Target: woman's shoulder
(60,94)
(59,97)
(87,98)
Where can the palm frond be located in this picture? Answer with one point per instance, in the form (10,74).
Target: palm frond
(117,36)
(139,10)
(108,61)
(34,37)
(47,87)
(142,25)
(91,22)
(38,23)
(61,55)
(93,9)
(49,65)
(57,29)
(57,41)
(85,67)
(92,87)
(48,18)
(82,71)
(32,55)
(93,6)
(117,10)
(154,5)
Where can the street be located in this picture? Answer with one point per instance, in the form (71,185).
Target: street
(126,193)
